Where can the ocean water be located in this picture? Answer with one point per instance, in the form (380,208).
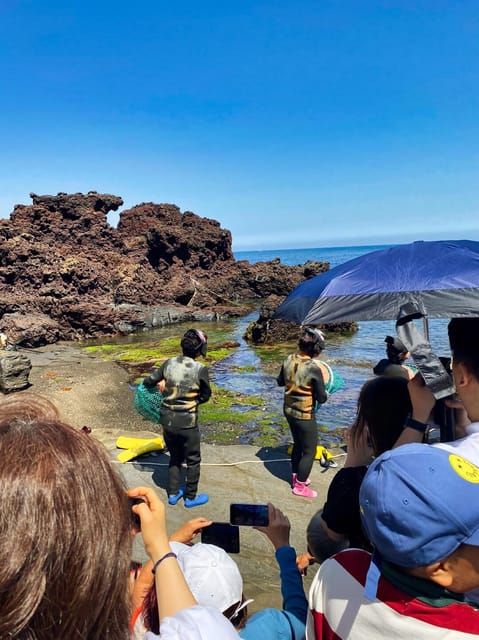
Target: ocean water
(333,255)
(351,356)
(368,345)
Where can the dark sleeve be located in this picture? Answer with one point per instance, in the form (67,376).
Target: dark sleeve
(205,388)
(155,377)
(319,392)
(280,378)
(341,510)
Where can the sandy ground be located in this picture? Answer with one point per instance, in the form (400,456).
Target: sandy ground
(89,391)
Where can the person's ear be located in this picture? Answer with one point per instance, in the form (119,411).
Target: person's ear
(462,375)
(440,572)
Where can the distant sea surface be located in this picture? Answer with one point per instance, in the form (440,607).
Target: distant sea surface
(352,356)
(333,255)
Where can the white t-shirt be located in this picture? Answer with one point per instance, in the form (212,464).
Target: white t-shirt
(195,623)
(467,447)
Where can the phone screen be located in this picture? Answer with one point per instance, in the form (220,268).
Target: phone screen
(222,534)
(253,515)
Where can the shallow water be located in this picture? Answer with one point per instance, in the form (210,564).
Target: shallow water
(253,371)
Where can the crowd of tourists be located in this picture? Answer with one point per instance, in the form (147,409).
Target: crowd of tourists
(395,547)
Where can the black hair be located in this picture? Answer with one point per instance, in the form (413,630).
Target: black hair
(383,406)
(194,343)
(464,342)
(311,341)
(395,350)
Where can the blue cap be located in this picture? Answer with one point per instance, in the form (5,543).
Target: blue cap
(419,503)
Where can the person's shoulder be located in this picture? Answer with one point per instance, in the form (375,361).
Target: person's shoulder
(270,624)
(390,370)
(381,366)
(352,562)
(350,475)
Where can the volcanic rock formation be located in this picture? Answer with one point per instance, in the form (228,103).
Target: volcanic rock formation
(66,273)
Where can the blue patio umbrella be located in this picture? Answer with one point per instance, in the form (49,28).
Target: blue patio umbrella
(440,278)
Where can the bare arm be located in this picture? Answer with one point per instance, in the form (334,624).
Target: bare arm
(172,592)
(184,534)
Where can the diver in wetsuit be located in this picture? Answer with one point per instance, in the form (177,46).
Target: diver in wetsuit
(393,365)
(185,384)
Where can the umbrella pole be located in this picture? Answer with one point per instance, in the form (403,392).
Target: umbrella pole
(426,327)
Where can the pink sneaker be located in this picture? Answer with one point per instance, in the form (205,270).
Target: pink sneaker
(300,489)
(295,475)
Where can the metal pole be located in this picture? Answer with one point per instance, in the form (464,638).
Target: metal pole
(426,327)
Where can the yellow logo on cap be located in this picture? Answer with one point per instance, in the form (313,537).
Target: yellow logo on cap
(465,469)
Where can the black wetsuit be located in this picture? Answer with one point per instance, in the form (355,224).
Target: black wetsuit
(304,388)
(389,369)
(187,386)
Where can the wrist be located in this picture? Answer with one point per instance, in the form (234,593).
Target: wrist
(417,425)
(165,556)
(158,549)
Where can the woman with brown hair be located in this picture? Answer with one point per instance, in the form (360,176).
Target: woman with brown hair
(66,544)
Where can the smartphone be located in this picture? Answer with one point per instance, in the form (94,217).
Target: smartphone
(222,534)
(252,515)
(135,518)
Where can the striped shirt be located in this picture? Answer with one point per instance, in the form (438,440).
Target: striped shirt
(340,611)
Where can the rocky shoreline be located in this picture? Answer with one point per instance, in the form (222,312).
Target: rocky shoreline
(67,274)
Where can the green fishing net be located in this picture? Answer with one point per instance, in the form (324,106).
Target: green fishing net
(148,402)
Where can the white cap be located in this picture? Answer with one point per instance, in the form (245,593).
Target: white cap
(212,576)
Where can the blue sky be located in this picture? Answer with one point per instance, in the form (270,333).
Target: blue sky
(294,124)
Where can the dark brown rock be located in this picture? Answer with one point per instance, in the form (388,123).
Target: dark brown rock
(60,258)
(14,371)
(269,330)
(32,330)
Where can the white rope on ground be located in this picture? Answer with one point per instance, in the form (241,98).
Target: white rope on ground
(218,464)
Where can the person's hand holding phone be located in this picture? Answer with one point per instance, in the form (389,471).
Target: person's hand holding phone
(461,419)
(135,518)
(153,521)
(360,450)
(190,529)
(422,399)
(278,528)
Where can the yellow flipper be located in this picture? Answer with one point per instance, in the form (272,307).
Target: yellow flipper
(320,451)
(323,452)
(157,444)
(124,442)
